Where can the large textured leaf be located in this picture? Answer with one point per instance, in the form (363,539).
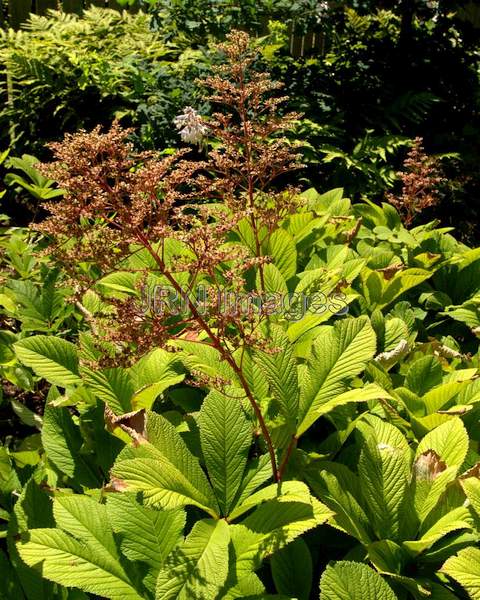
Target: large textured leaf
(62,441)
(112,386)
(456,519)
(465,568)
(423,374)
(86,520)
(280,369)
(146,534)
(198,568)
(471,485)
(152,375)
(226,437)
(163,469)
(272,526)
(347,580)
(295,489)
(207,360)
(449,441)
(281,248)
(337,356)
(401,282)
(292,570)
(339,488)
(274,282)
(384,475)
(72,563)
(258,472)
(50,357)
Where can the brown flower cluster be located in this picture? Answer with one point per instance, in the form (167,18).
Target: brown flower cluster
(172,221)
(420,180)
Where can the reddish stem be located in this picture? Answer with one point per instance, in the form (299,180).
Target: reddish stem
(216,343)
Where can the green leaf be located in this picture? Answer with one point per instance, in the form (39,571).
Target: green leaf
(281,248)
(471,485)
(164,470)
(62,441)
(272,526)
(295,489)
(339,488)
(347,580)
(424,374)
(280,369)
(152,375)
(73,563)
(113,386)
(458,518)
(198,568)
(50,357)
(338,355)
(401,282)
(226,437)
(449,441)
(146,534)
(384,475)
(292,570)
(274,282)
(465,569)
(86,520)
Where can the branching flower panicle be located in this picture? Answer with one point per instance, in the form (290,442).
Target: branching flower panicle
(175,222)
(420,180)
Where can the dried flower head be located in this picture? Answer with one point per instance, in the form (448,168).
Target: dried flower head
(421,178)
(177,222)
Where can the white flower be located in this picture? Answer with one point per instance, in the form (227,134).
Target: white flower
(191,126)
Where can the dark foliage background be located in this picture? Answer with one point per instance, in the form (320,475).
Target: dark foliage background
(377,75)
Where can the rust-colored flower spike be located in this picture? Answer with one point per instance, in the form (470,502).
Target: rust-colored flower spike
(250,151)
(160,220)
(420,178)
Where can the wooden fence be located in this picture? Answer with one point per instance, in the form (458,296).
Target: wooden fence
(15,12)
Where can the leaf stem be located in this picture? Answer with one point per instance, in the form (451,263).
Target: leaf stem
(226,355)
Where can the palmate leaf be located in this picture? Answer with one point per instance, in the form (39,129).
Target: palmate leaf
(72,563)
(50,357)
(465,569)
(258,472)
(280,370)
(294,489)
(249,586)
(456,519)
(471,485)
(164,470)
(347,580)
(86,557)
(198,568)
(337,356)
(226,437)
(401,282)
(87,521)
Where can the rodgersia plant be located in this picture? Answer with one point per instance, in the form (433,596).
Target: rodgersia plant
(180,224)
